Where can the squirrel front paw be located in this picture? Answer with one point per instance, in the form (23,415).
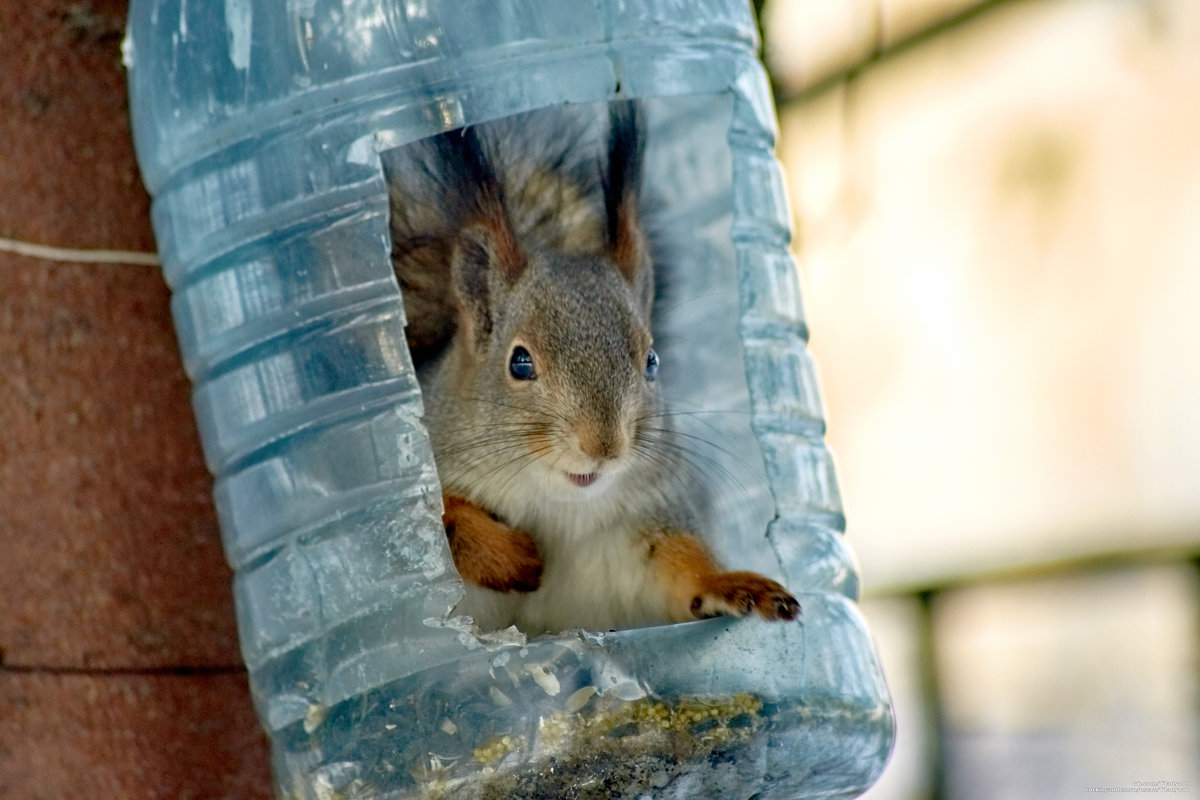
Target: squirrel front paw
(497,557)
(488,552)
(739,593)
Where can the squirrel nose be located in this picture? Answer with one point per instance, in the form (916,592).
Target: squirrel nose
(600,442)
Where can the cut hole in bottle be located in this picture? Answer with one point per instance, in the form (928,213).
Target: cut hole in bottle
(538,449)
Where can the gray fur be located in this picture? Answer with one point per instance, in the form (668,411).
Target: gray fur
(510,446)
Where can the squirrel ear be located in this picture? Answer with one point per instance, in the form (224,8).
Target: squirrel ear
(486,257)
(622,185)
(486,262)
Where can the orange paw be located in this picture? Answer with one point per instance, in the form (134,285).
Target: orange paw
(739,593)
(488,552)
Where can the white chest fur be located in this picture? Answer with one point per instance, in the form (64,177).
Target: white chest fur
(597,574)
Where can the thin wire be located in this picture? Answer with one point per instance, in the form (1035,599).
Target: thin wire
(81,256)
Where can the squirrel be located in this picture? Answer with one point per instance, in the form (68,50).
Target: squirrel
(526,258)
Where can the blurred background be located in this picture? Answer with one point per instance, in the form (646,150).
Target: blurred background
(997,209)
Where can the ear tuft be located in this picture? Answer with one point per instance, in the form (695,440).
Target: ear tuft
(622,187)
(486,259)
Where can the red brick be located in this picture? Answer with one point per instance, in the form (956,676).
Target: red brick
(67,173)
(134,737)
(111,572)
(112,555)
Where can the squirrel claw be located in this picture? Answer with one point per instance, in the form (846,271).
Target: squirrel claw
(739,593)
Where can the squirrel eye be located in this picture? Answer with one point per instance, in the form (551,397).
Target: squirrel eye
(520,364)
(651,366)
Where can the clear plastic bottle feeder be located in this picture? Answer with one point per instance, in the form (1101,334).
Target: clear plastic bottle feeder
(259,129)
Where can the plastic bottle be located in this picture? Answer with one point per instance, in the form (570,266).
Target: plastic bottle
(258,128)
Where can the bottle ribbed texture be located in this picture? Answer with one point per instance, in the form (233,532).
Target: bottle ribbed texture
(258,128)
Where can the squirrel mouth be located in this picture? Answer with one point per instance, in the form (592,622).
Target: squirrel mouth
(582,480)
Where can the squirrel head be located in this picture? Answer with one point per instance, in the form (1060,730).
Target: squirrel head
(557,349)
(562,355)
